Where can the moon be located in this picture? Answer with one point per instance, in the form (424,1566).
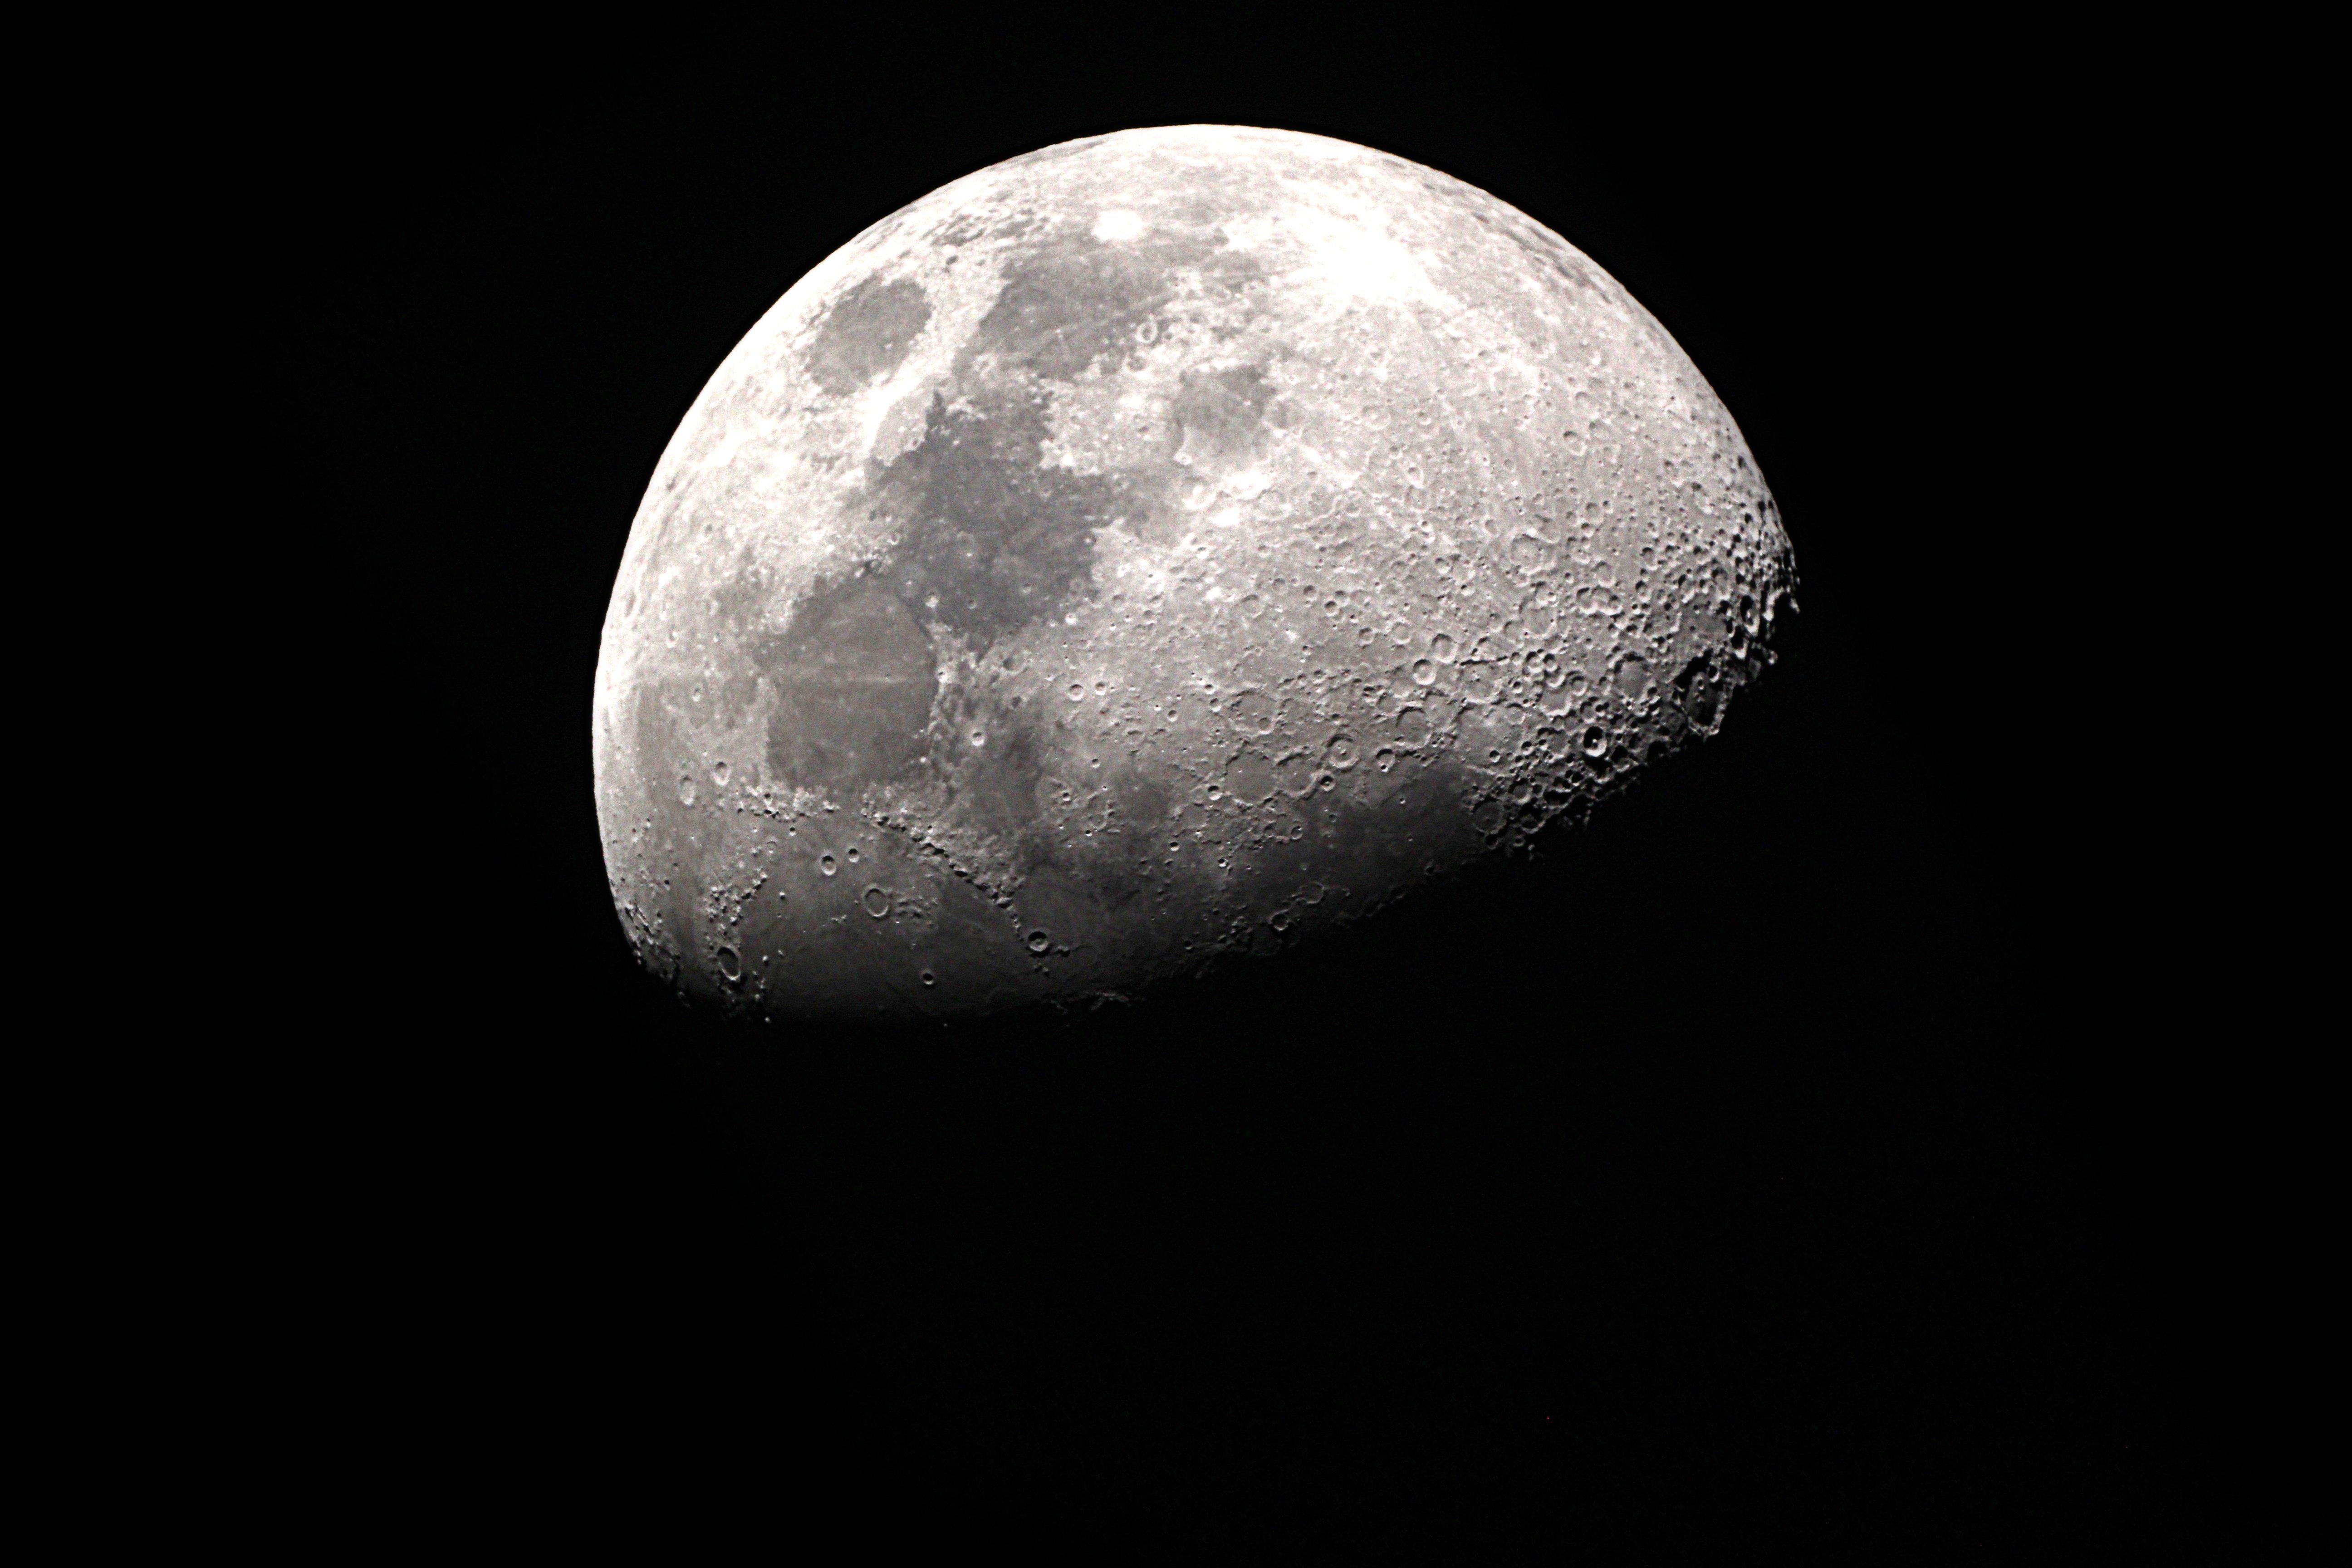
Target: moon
(1159,547)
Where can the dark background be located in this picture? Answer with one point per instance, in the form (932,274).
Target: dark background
(1779,1167)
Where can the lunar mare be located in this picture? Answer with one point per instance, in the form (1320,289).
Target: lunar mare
(1153,548)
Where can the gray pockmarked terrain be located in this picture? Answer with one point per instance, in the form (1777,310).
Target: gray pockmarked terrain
(1153,548)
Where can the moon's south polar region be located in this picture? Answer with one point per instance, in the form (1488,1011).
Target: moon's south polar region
(1155,547)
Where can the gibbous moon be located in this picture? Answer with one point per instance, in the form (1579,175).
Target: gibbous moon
(1157,547)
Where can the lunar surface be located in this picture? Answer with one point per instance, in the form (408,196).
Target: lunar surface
(1155,548)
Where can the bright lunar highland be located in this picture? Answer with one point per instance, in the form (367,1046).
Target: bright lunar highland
(1157,547)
